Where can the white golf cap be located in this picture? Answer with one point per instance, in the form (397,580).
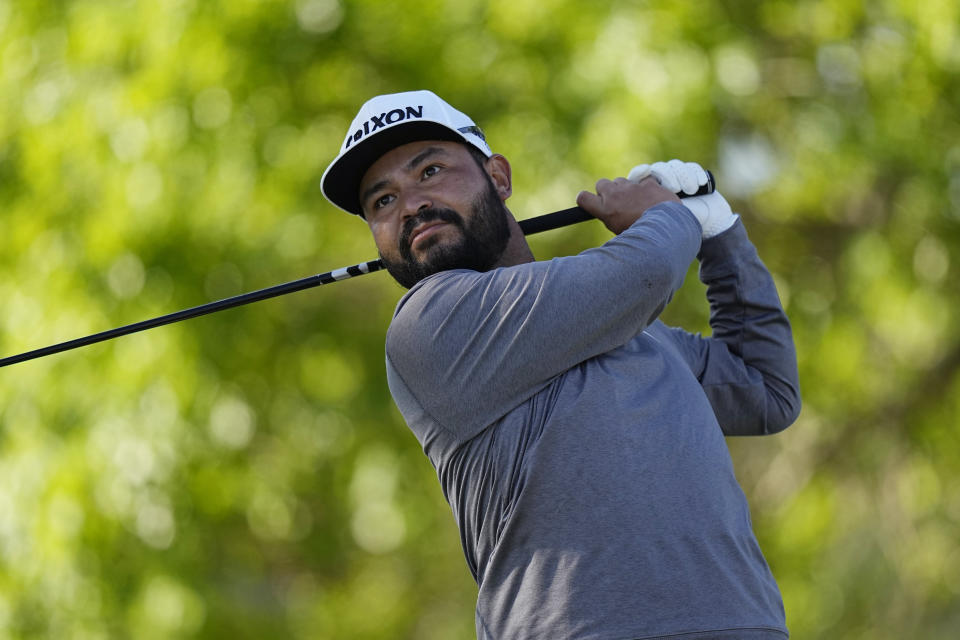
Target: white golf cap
(387,122)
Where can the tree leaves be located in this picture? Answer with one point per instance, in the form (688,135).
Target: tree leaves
(246,475)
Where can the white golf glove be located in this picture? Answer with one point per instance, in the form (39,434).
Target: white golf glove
(712,210)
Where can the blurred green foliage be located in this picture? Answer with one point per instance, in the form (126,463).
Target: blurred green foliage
(245,475)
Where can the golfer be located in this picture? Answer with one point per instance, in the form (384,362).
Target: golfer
(577,438)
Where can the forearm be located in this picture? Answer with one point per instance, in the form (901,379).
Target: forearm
(746,315)
(510,331)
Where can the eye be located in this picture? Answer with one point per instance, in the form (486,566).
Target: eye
(382,201)
(431,170)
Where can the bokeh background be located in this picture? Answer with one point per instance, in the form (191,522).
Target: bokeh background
(245,475)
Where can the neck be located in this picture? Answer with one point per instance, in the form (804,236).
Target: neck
(517,251)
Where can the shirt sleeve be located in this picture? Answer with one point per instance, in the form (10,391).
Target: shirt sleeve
(469,346)
(748,368)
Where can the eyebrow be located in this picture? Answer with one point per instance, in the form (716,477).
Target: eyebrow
(410,166)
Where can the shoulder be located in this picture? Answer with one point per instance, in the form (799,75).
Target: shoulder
(463,289)
(422,310)
(426,295)
(447,308)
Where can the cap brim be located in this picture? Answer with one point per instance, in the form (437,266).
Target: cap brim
(341,182)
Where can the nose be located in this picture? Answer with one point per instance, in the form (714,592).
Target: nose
(414,202)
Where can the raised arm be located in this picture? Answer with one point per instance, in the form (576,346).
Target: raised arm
(470,346)
(748,368)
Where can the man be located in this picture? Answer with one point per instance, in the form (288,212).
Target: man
(578,439)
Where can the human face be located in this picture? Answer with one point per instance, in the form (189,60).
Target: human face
(432,207)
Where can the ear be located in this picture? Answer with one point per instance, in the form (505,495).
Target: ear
(498,168)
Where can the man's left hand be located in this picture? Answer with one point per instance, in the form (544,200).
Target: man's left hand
(712,210)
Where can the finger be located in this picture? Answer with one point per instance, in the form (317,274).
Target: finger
(638,173)
(589,202)
(693,177)
(701,174)
(686,178)
(663,173)
(603,185)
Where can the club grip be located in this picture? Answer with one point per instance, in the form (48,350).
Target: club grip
(573,215)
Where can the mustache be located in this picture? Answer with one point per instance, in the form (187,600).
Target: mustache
(425,215)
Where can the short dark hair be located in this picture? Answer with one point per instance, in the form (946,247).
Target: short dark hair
(478,156)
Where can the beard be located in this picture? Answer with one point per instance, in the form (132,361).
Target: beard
(483,239)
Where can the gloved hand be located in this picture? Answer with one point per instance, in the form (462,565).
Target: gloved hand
(711,210)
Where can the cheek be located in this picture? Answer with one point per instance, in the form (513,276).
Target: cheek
(384,236)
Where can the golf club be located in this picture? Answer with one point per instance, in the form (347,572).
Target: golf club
(529,226)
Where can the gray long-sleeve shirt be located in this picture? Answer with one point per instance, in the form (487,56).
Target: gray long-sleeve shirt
(579,440)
